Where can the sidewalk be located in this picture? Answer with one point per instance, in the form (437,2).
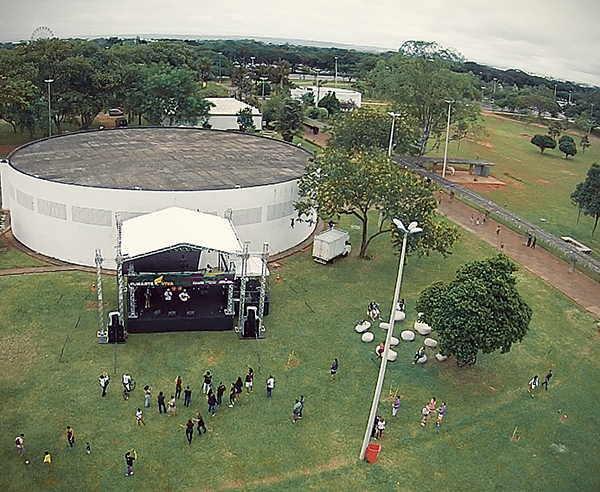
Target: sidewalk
(554,271)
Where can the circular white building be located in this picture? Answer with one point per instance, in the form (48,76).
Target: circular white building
(64,193)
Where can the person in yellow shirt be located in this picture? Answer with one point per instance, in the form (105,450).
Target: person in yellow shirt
(47,458)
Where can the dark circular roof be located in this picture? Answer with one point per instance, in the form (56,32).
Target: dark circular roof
(163,159)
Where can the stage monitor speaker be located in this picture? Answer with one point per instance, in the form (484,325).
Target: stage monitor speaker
(191,314)
(112,333)
(251,323)
(120,334)
(172,314)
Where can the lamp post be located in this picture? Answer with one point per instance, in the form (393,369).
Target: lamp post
(263,80)
(49,81)
(220,54)
(447,138)
(252,58)
(393,115)
(554,92)
(335,78)
(413,228)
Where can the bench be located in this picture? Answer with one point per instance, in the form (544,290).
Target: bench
(579,246)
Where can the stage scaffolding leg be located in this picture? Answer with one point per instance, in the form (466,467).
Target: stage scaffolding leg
(99,290)
(119,259)
(132,311)
(244,279)
(263,288)
(230,311)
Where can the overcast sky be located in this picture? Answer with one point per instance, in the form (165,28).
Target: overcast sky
(545,37)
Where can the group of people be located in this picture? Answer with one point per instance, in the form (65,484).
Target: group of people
(535,382)
(47,459)
(430,410)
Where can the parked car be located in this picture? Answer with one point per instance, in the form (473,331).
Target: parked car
(115,112)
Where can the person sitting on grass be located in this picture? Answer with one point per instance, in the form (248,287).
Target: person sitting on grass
(420,353)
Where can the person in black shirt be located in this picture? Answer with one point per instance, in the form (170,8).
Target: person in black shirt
(220,390)
(130,457)
(187,397)
(189,431)
(161,403)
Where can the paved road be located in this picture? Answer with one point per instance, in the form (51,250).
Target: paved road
(508,217)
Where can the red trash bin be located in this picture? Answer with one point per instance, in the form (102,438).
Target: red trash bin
(372,452)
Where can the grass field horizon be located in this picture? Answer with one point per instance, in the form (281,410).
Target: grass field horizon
(255,446)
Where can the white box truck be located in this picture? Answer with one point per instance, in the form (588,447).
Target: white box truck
(330,244)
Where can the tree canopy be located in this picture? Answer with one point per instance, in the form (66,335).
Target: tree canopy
(586,196)
(355,182)
(480,309)
(419,87)
(543,142)
(566,145)
(367,128)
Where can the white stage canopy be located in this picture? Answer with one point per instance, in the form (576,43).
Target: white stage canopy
(159,231)
(253,269)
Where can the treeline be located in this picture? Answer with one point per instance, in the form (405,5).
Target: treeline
(168,79)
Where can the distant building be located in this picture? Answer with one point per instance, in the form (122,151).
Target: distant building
(348,99)
(224,113)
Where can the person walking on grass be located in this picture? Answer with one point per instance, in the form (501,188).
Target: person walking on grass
(139,417)
(334,369)
(178,386)
(249,380)
(207,382)
(302,400)
(20,443)
(130,457)
(270,386)
(396,406)
(104,379)
(441,414)
(189,430)
(296,411)
(187,397)
(380,427)
(238,388)
(201,424)
(172,406)
(232,395)
(425,415)
(547,379)
(70,436)
(147,396)
(220,390)
(212,403)
(533,384)
(161,403)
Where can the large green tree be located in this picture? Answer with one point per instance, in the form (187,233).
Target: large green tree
(368,128)
(171,95)
(543,142)
(419,87)
(481,309)
(566,145)
(586,196)
(356,182)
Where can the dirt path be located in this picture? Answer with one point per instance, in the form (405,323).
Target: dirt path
(577,286)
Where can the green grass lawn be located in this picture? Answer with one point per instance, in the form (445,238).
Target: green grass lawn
(538,185)
(11,258)
(255,446)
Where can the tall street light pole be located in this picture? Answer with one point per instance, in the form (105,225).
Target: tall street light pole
(49,81)
(447,138)
(220,54)
(335,79)
(394,116)
(413,228)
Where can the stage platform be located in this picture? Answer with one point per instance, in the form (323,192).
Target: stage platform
(165,323)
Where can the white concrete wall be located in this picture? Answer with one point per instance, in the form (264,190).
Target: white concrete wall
(69,222)
(229,122)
